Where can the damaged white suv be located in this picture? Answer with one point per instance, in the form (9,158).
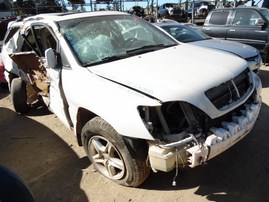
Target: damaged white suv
(134,97)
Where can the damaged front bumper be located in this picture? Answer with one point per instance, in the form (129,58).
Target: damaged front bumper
(192,152)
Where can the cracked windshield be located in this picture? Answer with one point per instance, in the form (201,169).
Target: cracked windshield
(103,39)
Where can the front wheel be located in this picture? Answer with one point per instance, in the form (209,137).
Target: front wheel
(110,156)
(19,95)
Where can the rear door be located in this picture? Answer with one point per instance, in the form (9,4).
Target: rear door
(244,28)
(216,24)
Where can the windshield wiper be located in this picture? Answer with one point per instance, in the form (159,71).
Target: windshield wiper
(148,48)
(106,59)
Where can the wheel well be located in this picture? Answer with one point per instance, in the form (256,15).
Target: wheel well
(138,148)
(83,117)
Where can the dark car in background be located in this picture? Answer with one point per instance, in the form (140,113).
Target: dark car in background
(137,10)
(248,25)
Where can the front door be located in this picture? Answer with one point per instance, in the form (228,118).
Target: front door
(47,81)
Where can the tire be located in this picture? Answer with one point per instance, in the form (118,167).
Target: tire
(19,96)
(110,156)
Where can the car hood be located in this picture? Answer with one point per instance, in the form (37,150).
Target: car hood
(242,50)
(176,73)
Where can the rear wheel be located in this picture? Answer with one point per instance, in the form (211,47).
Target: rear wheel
(110,156)
(19,95)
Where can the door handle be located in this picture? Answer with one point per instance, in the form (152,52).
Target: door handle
(232,30)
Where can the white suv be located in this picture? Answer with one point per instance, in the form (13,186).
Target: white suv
(134,97)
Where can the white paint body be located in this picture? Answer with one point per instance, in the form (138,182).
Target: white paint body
(116,89)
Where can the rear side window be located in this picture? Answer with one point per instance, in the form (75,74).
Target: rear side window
(219,18)
(10,33)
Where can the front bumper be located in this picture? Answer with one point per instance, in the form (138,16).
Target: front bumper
(224,137)
(166,157)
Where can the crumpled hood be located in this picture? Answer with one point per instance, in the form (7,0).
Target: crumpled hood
(243,50)
(175,73)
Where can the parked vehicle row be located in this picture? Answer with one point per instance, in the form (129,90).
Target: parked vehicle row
(133,95)
(248,25)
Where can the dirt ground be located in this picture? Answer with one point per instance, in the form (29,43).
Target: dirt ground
(45,154)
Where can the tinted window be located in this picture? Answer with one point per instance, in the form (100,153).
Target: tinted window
(246,17)
(170,5)
(185,34)
(219,18)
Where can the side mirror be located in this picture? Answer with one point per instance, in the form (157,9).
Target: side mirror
(259,22)
(51,60)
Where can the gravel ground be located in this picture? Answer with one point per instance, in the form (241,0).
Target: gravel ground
(45,154)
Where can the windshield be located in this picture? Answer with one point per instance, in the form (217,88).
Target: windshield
(171,5)
(96,39)
(197,4)
(185,34)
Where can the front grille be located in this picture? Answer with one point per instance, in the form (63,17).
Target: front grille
(230,91)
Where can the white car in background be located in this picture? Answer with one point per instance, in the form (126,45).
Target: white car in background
(187,34)
(132,107)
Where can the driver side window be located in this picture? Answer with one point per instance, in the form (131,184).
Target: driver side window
(39,40)
(45,39)
(245,18)
(28,42)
